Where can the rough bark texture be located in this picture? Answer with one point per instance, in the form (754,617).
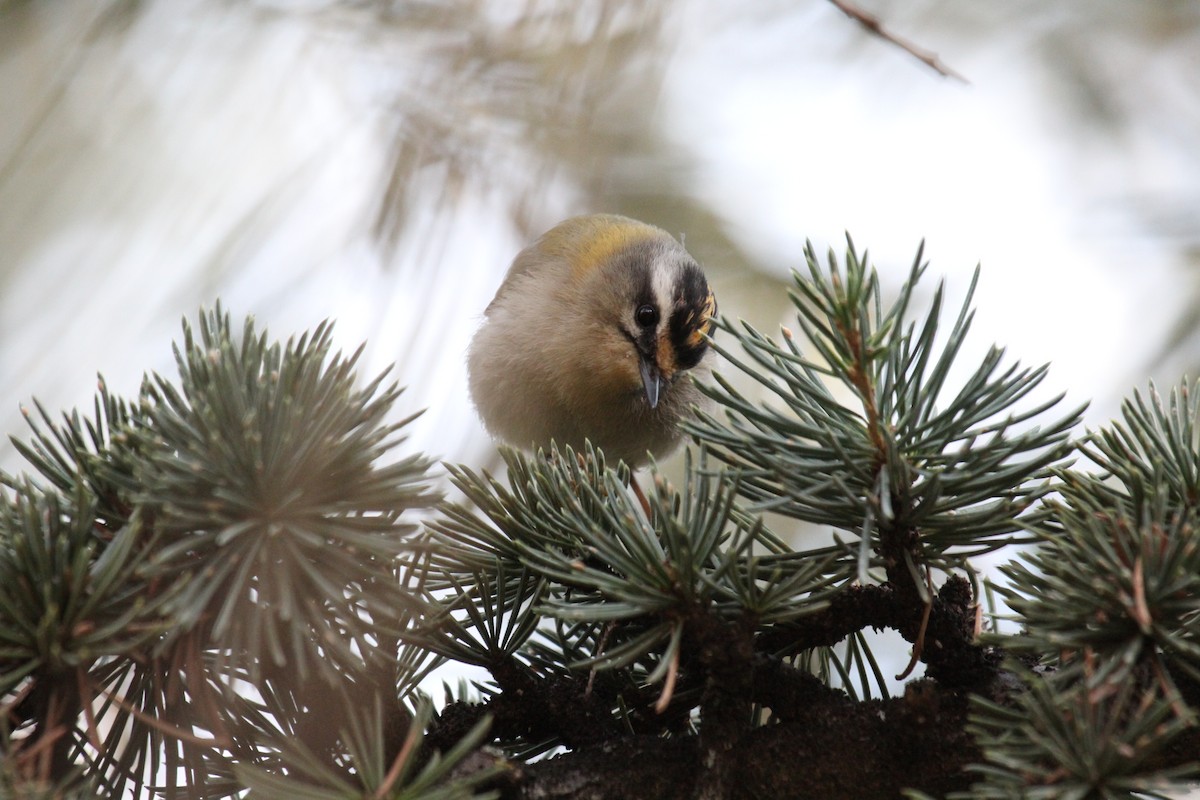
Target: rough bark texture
(834,749)
(818,743)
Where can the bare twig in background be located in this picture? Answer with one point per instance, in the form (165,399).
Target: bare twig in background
(874,26)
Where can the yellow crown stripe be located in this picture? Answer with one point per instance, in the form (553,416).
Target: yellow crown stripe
(589,242)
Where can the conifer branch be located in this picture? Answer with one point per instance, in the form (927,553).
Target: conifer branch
(219,586)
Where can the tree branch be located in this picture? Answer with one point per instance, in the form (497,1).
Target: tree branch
(950,652)
(875,27)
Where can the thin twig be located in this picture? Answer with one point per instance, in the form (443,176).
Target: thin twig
(1170,691)
(163,726)
(641,496)
(55,730)
(200,689)
(872,24)
(668,690)
(7,710)
(1141,609)
(86,699)
(919,644)
(608,629)
(393,774)
(40,751)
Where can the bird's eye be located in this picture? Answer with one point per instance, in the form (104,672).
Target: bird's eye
(646,316)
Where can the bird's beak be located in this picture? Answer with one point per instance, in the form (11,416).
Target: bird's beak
(651,379)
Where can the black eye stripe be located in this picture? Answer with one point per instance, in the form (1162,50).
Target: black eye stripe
(689,349)
(691,316)
(687,311)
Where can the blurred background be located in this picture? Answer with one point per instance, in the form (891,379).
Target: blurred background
(380,163)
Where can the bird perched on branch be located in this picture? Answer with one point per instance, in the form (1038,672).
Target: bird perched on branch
(594,334)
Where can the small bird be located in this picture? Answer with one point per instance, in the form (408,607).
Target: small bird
(592,335)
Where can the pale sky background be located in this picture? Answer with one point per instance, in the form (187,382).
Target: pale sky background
(207,152)
(201,149)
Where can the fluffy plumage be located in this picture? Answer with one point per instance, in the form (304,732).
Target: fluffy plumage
(594,334)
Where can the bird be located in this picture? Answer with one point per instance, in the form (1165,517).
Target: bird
(595,334)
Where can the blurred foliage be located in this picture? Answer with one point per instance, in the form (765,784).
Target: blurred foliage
(201,588)
(543,106)
(138,137)
(532,97)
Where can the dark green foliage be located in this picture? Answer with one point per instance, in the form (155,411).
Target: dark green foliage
(1063,741)
(1111,598)
(871,434)
(267,456)
(69,589)
(377,773)
(220,587)
(566,541)
(1154,454)
(1125,588)
(96,456)
(212,574)
(872,437)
